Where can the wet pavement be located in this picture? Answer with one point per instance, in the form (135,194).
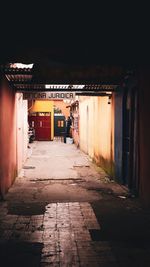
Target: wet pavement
(63,210)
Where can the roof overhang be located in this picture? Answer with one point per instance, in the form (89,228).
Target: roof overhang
(83,80)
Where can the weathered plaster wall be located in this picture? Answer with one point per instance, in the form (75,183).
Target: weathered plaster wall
(97,130)
(22,130)
(75,129)
(63,106)
(8,163)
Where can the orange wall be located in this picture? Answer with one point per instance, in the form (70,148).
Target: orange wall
(8,164)
(62,105)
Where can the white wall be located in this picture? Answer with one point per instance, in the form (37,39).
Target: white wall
(22,130)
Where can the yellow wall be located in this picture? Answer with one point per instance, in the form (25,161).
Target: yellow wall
(44,106)
(97,130)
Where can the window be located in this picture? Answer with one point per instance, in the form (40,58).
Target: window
(60,124)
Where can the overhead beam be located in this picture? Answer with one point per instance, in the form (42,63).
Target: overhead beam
(93,94)
(32,90)
(67,88)
(60,95)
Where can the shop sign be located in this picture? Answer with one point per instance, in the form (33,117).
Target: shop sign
(49,95)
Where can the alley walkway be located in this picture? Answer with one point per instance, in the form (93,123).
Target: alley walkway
(63,211)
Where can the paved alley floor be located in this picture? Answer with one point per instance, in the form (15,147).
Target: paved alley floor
(63,210)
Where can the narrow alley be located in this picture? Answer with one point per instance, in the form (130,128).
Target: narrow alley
(63,210)
(74,135)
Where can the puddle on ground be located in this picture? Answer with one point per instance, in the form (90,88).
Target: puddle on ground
(26,209)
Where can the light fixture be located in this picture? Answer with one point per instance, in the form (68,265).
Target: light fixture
(109,99)
(21,65)
(64,86)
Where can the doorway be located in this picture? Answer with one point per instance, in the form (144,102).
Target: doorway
(41,122)
(130,139)
(59,125)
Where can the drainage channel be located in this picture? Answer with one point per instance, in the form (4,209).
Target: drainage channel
(71,180)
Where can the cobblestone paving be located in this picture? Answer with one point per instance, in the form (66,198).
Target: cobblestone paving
(64,232)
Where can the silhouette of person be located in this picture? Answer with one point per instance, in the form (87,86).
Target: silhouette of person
(69,122)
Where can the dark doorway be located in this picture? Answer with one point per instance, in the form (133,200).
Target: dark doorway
(59,125)
(130,139)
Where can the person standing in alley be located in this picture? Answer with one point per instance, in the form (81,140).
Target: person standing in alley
(68,125)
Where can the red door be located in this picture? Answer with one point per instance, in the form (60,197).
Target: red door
(42,126)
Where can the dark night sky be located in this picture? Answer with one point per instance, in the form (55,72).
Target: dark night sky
(75,33)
